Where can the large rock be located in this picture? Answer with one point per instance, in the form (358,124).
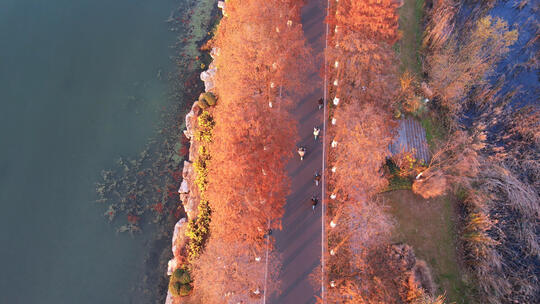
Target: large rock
(190,124)
(172,266)
(213,53)
(187,171)
(184,197)
(196,109)
(169,299)
(208,78)
(179,239)
(173,300)
(179,243)
(184,187)
(193,151)
(191,120)
(188,174)
(191,206)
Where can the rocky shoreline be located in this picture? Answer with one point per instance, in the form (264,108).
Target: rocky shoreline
(189,191)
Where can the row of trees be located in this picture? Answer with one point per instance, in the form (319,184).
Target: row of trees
(260,67)
(364,88)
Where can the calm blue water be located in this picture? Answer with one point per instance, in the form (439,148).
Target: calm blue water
(514,67)
(78,89)
(528,79)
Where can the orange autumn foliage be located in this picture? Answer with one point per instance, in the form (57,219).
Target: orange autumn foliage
(366,73)
(248,182)
(230,275)
(364,86)
(261,48)
(261,65)
(375,19)
(261,62)
(363,134)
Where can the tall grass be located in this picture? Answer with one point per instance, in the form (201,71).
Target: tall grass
(501,237)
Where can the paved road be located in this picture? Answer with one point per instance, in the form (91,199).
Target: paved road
(299,242)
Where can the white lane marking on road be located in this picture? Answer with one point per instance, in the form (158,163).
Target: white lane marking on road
(266,266)
(323,184)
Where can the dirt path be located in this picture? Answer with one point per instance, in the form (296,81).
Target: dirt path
(299,243)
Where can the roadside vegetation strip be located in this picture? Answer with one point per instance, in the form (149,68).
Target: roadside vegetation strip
(363,73)
(323,182)
(198,228)
(251,142)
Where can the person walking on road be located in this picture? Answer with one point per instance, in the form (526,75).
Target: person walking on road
(317,178)
(314,202)
(302,152)
(320,102)
(316,132)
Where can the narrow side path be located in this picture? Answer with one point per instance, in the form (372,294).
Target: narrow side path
(299,243)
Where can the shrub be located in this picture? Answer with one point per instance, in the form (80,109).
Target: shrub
(180,282)
(407,164)
(410,101)
(174,287)
(206,125)
(198,230)
(185,278)
(185,290)
(182,275)
(202,172)
(209,98)
(202,102)
(178,273)
(432,186)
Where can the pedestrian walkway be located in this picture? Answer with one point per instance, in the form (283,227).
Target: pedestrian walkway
(299,242)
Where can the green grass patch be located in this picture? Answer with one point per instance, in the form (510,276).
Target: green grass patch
(428,226)
(398,183)
(410,25)
(434,131)
(395,181)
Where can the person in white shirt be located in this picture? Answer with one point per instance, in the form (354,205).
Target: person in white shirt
(316,132)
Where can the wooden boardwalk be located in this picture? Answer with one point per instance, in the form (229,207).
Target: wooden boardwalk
(411,137)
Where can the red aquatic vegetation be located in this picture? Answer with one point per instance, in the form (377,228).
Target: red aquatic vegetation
(183,151)
(158,207)
(133,219)
(176,212)
(184,139)
(177,175)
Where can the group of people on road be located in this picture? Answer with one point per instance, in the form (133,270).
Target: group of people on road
(302,152)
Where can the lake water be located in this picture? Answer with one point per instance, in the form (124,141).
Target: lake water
(78,89)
